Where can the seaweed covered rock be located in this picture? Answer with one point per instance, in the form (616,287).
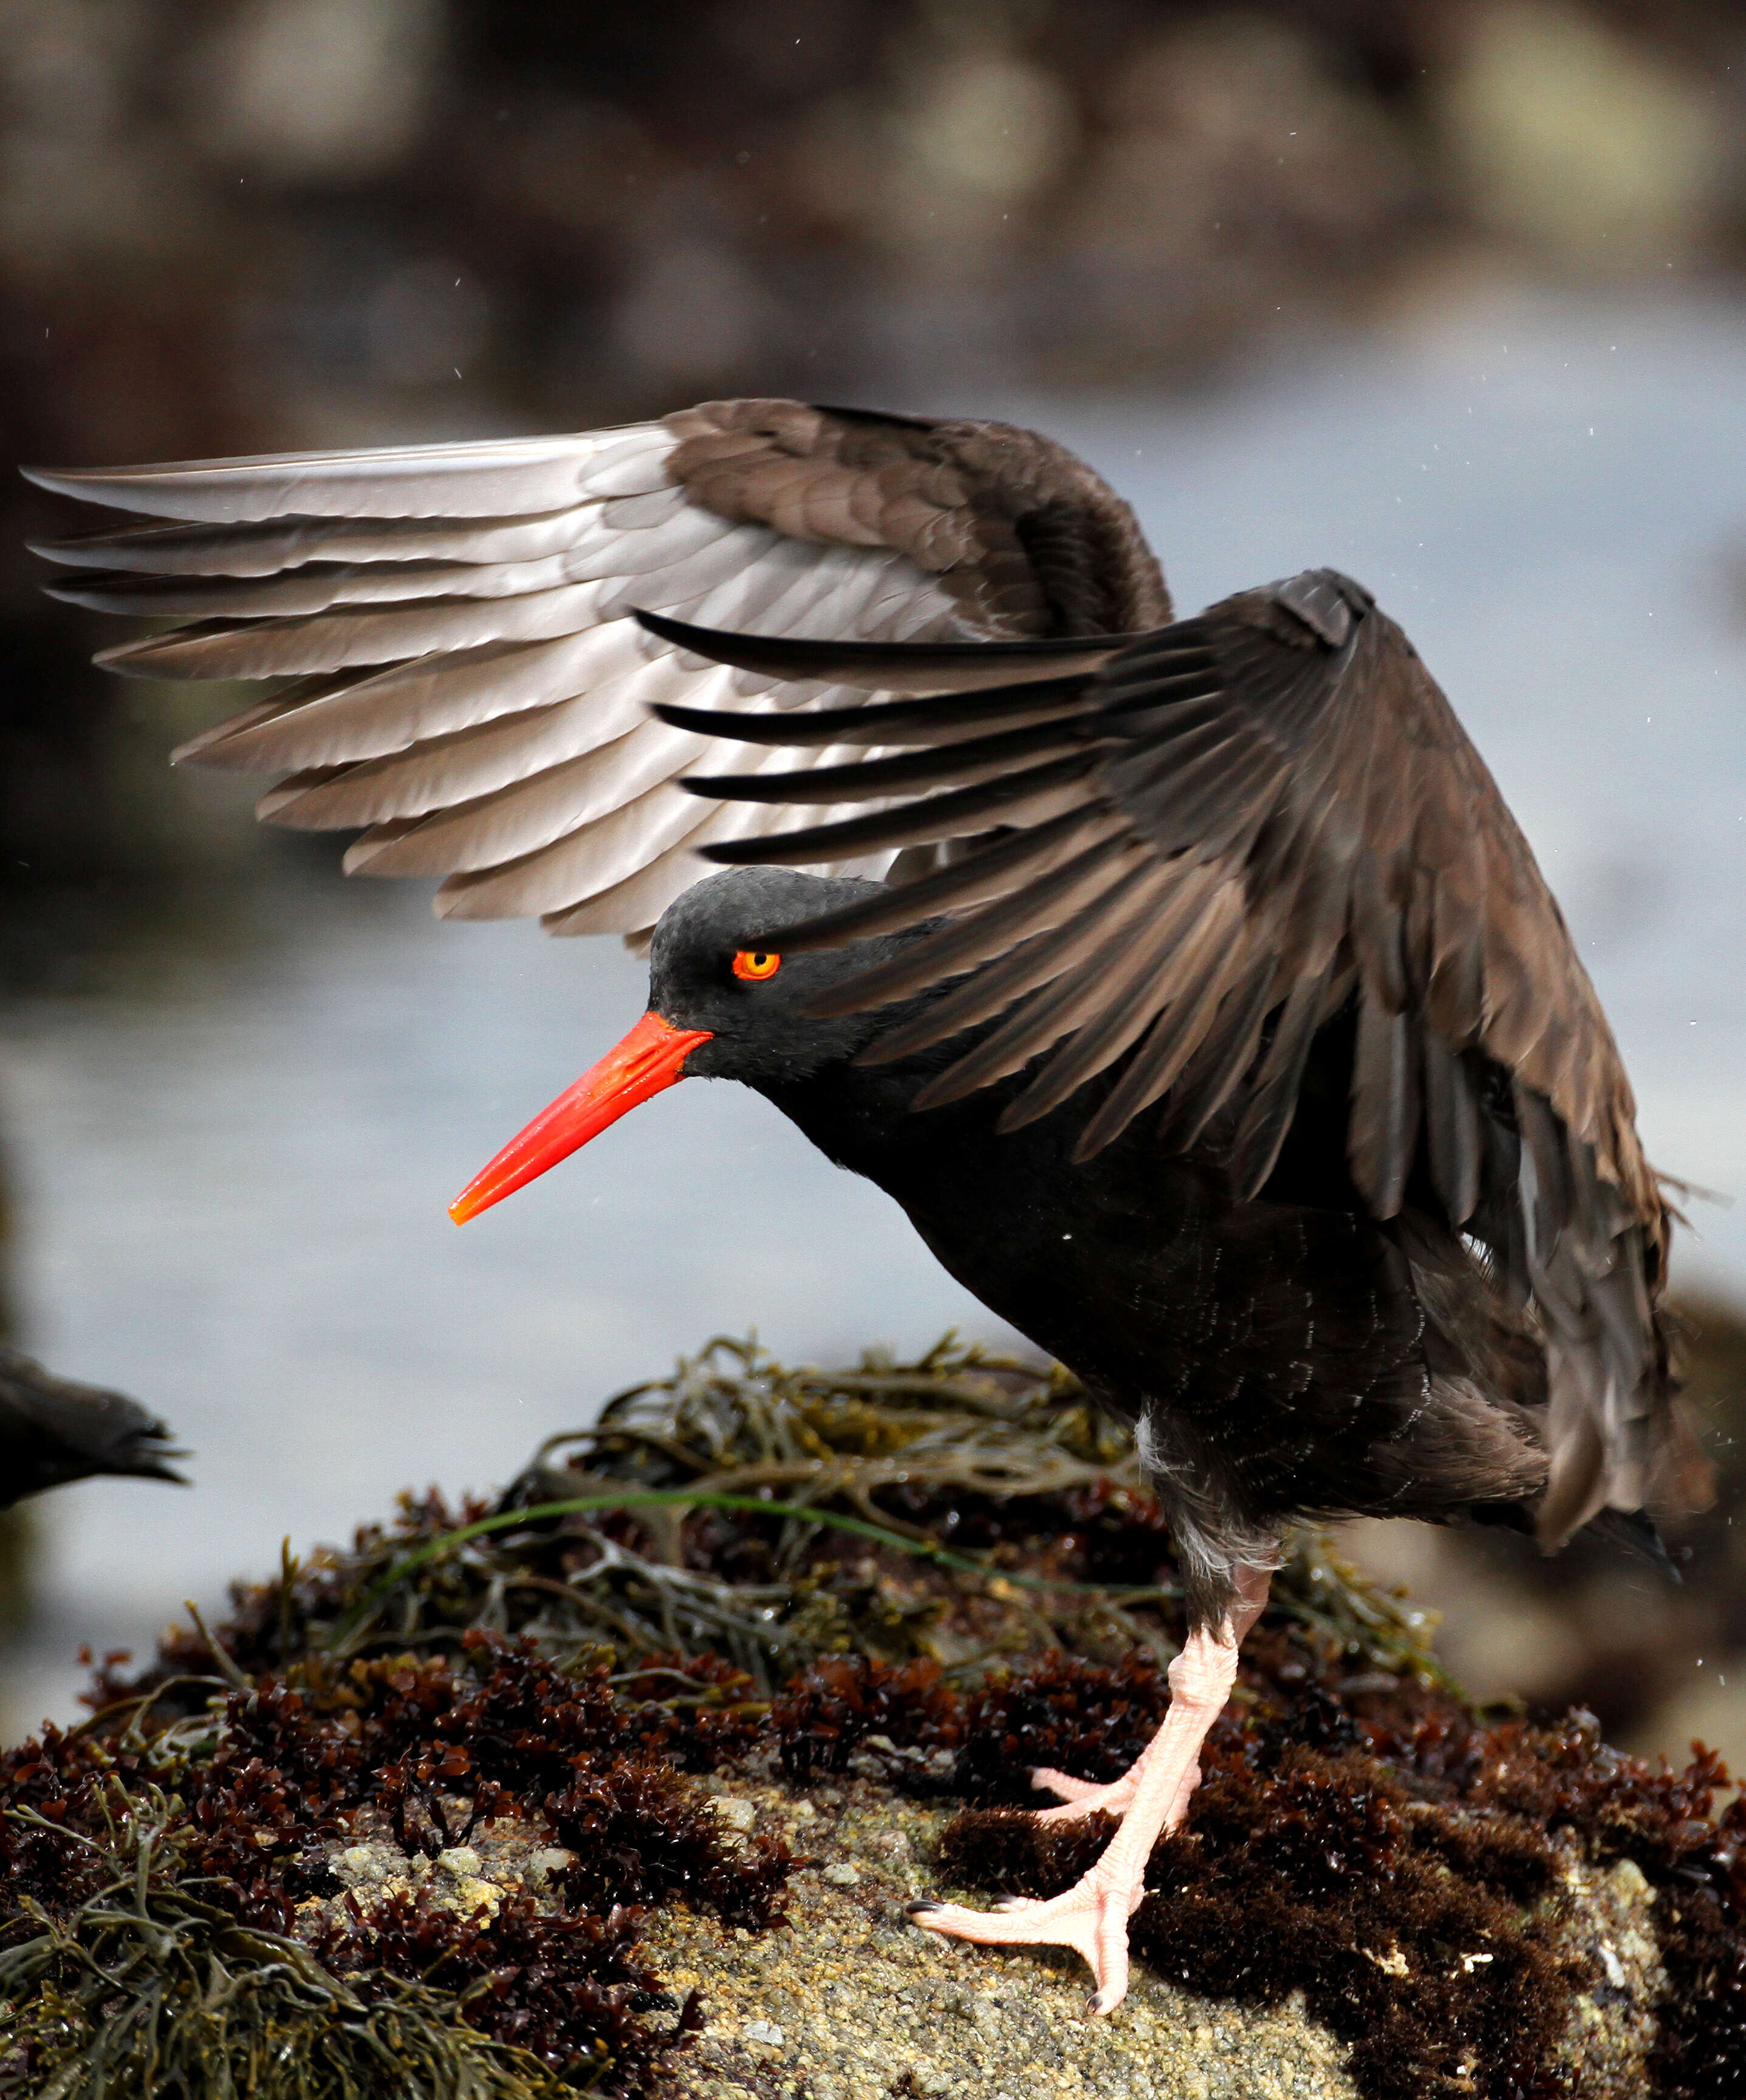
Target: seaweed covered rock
(622,1782)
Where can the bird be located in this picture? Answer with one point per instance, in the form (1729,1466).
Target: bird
(53,1430)
(1186,981)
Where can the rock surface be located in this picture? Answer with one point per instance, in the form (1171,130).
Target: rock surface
(850,2001)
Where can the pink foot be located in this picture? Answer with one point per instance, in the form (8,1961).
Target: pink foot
(1084,1796)
(1091,1917)
(1150,1798)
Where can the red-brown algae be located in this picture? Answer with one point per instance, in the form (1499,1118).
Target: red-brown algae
(1398,1895)
(1404,1898)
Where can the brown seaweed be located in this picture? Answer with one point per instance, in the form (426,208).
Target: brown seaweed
(1363,1835)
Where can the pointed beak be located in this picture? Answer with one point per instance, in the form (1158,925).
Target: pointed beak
(651,1057)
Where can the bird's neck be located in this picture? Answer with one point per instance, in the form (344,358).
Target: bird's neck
(950,1169)
(861,1116)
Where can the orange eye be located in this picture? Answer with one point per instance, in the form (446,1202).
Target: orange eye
(754,962)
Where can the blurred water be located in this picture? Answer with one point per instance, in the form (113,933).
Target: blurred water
(231,1202)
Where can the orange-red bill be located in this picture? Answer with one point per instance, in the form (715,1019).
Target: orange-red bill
(652,1056)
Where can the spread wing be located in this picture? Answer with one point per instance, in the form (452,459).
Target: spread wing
(1176,865)
(445,639)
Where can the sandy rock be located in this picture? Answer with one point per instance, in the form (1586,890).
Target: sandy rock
(852,2002)
(867,2006)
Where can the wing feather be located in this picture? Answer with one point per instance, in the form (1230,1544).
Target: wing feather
(1299,826)
(1207,972)
(277,545)
(932,721)
(447,640)
(1059,898)
(431,697)
(1036,959)
(1114,995)
(492,478)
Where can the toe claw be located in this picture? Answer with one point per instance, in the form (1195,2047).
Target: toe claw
(925,1904)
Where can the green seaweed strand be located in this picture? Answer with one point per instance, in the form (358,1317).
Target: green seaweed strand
(672,1497)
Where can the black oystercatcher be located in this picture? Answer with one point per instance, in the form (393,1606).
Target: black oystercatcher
(1213,1023)
(53,1430)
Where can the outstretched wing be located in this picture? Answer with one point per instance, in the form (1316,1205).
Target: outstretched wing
(445,639)
(1185,859)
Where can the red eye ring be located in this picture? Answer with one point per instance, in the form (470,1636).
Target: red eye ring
(756,963)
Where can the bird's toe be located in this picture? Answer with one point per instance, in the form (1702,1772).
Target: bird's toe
(1091,1917)
(1048,1780)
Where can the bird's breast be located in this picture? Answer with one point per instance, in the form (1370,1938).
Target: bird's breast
(1287,1333)
(1087,1260)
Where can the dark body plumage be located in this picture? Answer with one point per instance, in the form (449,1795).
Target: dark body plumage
(1285,1334)
(53,1430)
(1280,1351)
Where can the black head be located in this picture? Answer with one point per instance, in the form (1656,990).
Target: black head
(716,963)
(725,1003)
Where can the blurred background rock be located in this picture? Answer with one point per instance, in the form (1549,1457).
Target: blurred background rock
(240,225)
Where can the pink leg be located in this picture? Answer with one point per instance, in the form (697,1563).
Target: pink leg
(1151,1798)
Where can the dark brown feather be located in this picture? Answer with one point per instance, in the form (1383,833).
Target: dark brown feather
(975,758)
(1287,752)
(891,667)
(1026,535)
(989,869)
(964,813)
(928,720)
